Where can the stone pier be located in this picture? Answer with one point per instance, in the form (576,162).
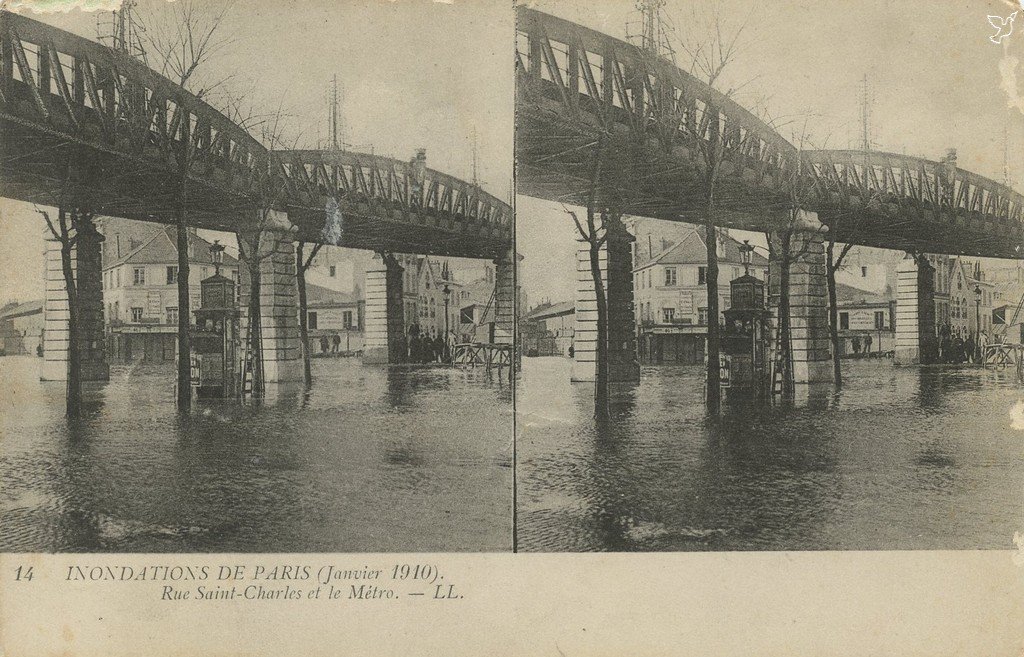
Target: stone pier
(384,338)
(915,312)
(279,299)
(87,267)
(505,299)
(808,300)
(616,263)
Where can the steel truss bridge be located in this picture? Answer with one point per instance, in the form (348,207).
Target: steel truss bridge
(585,98)
(83,125)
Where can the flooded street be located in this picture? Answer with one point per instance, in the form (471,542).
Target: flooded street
(901,458)
(370,459)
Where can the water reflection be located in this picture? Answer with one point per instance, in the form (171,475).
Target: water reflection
(898,458)
(366,459)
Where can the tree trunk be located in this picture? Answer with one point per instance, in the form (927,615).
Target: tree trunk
(255,321)
(714,390)
(833,313)
(785,332)
(300,273)
(184,310)
(74,387)
(601,348)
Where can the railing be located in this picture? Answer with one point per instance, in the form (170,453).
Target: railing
(486,355)
(442,200)
(575,85)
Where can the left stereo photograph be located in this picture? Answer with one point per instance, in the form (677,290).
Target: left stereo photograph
(257,278)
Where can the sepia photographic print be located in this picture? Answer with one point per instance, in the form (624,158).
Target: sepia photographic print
(511,327)
(771,259)
(178,169)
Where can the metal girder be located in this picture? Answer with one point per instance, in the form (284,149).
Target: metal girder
(899,200)
(135,132)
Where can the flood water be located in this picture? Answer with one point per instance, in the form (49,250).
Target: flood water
(901,458)
(369,459)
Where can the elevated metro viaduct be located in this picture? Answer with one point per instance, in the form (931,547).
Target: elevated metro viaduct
(84,127)
(601,121)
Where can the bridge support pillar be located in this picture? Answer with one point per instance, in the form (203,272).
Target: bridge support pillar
(616,264)
(915,312)
(88,272)
(808,299)
(505,299)
(279,299)
(385,316)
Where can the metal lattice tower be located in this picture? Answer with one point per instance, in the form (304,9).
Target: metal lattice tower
(123,32)
(653,38)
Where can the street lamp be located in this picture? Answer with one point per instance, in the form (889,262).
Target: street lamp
(217,255)
(977,322)
(447,295)
(745,255)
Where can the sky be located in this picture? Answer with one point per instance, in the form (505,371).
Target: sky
(933,76)
(411,73)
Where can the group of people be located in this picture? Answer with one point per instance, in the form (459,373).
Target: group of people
(856,344)
(330,344)
(424,348)
(960,346)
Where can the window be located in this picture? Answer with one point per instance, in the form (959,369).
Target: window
(172,275)
(311,319)
(139,276)
(670,276)
(172,314)
(333,271)
(668,314)
(702,316)
(118,272)
(136,314)
(346,319)
(702,276)
(879,319)
(844,321)
(863,272)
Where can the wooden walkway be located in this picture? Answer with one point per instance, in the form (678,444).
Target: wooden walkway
(486,355)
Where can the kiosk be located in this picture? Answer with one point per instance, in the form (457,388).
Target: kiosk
(745,336)
(215,335)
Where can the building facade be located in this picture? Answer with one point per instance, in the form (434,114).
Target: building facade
(548,329)
(21,329)
(140,288)
(670,290)
(334,320)
(867,321)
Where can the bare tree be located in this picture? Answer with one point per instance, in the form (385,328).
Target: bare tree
(67,231)
(790,244)
(711,50)
(251,247)
(183,38)
(302,264)
(833,262)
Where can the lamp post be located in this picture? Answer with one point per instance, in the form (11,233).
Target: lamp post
(447,295)
(977,322)
(745,255)
(217,256)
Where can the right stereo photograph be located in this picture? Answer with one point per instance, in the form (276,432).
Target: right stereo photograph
(771,295)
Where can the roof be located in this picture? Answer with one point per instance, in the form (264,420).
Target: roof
(692,249)
(19,310)
(161,248)
(552,310)
(847,295)
(322,297)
